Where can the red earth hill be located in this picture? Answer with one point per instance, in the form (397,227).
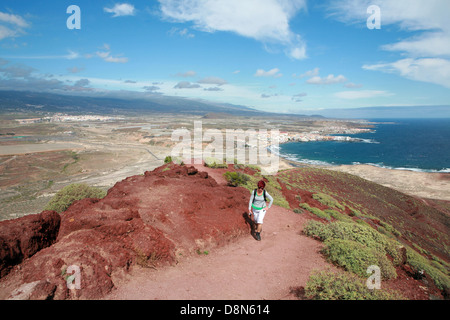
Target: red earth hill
(151,220)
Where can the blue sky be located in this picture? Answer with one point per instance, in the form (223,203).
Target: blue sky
(274,55)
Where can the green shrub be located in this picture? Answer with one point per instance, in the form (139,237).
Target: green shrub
(316,211)
(327,200)
(176,160)
(356,257)
(360,233)
(254,167)
(338,216)
(317,229)
(168,159)
(389,228)
(418,263)
(362,222)
(355,212)
(327,285)
(67,195)
(215,163)
(236,178)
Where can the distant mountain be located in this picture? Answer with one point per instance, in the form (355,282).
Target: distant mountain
(14,101)
(388,112)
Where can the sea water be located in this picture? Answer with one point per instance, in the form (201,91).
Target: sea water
(409,144)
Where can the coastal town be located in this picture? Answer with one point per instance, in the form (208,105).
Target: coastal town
(59,117)
(330,135)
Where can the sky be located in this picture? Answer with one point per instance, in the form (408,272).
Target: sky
(291,56)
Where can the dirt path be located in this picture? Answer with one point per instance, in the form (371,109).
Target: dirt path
(243,269)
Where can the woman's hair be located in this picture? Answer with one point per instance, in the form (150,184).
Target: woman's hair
(261,184)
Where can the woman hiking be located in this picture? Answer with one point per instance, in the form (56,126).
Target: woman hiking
(258,207)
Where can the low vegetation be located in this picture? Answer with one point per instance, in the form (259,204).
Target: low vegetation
(328,285)
(176,160)
(236,179)
(356,257)
(419,263)
(355,247)
(362,223)
(316,211)
(69,194)
(215,163)
(328,200)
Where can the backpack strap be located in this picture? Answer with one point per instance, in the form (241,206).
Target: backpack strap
(264,193)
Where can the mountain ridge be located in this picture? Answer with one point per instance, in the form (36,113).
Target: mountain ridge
(12,101)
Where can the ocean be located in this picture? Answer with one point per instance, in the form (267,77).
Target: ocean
(407,144)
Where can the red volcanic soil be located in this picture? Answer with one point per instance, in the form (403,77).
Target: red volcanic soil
(179,232)
(149,220)
(245,269)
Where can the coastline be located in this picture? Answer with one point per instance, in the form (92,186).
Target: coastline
(429,185)
(422,183)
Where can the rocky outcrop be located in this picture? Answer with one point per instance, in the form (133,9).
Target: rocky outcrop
(148,220)
(23,237)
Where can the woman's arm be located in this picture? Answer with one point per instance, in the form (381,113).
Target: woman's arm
(270,199)
(250,202)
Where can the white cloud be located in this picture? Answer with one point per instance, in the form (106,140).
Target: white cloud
(121,9)
(298,97)
(362,94)
(213,80)
(186,85)
(213,89)
(106,55)
(13,19)
(271,73)
(263,20)
(424,55)
(6,32)
(409,15)
(298,53)
(309,73)
(69,56)
(432,44)
(330,79)
(433,70)
(186,74)
(352,85)
(181,32)
(75,69)
(11,25)
(116,59)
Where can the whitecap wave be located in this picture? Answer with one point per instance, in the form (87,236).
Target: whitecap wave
(369,141)
(381,165)
(297,158)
